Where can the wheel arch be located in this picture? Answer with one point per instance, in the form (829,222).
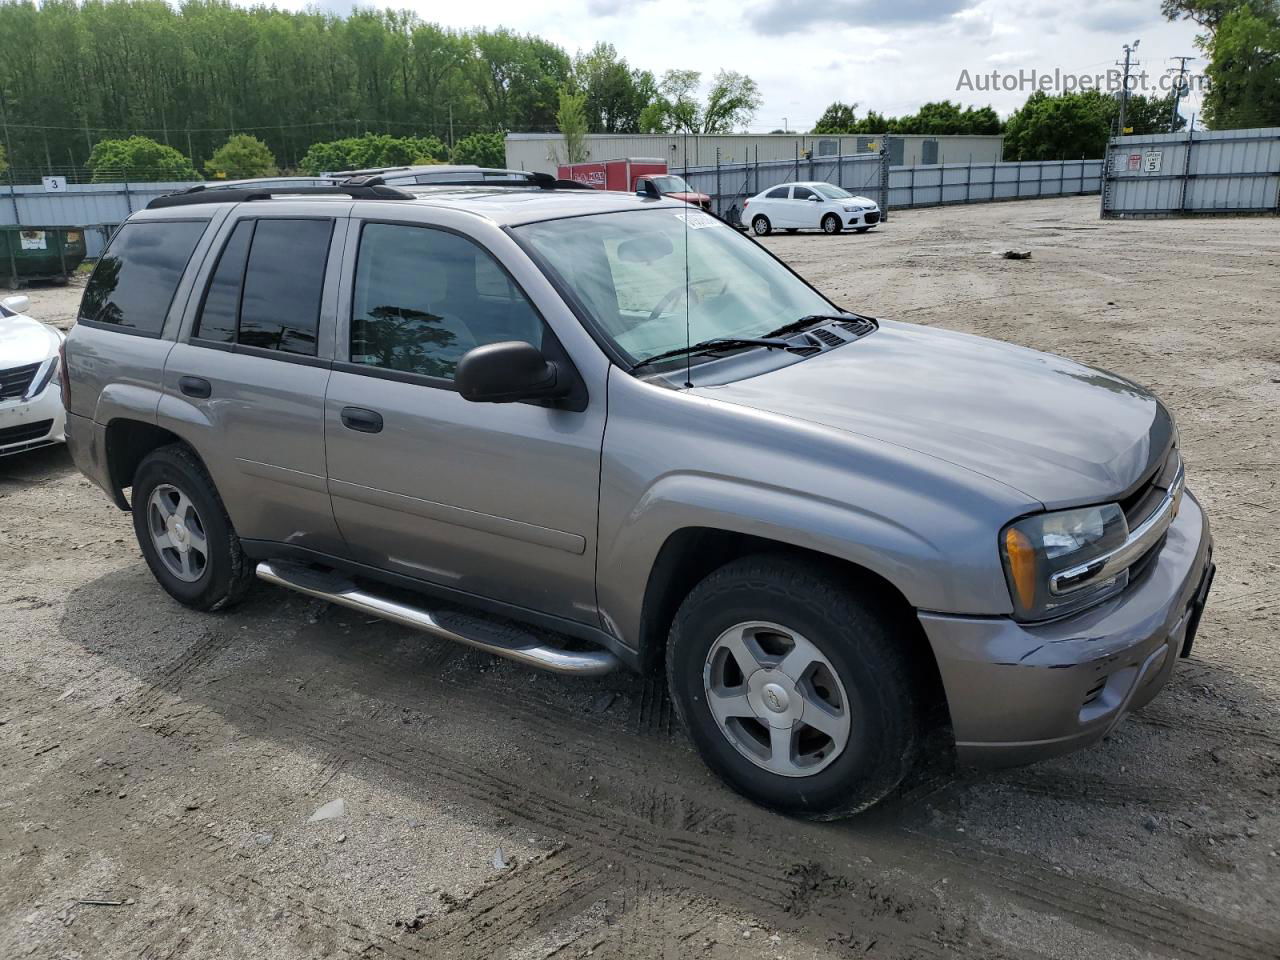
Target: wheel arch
(128,442)
(692,553)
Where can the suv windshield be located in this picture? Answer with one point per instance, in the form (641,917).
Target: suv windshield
(649,292)
(830,192)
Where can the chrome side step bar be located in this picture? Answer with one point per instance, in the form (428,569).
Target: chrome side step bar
(523,648)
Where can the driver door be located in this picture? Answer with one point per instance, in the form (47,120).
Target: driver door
(803,208)
(495,500)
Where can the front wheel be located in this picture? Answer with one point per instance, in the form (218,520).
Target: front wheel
(185,533)
(761,226)
(793,689)
(830,223)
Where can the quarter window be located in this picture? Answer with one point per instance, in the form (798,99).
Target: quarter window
(424,297)
(135,280)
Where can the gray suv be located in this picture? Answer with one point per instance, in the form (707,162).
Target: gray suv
(581,429)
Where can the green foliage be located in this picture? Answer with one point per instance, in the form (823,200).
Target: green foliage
(138,158)
(942,118)
(1244,69)
(837,118)
(4,160)
(571,118)
(1076,125)
(731,102)
(240,158)
(482,149)
(371,150)
(615,94)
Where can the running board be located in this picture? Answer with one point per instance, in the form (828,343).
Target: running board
(472,631)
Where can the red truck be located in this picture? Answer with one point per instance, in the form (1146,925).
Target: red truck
(631,174)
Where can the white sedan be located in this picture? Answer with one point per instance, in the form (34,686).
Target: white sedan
(31,413)
(809,206)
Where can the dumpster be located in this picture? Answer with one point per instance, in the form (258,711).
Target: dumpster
(39,253)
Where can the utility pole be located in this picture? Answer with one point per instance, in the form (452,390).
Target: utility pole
(1178,90)
(450,126)
(1124,88)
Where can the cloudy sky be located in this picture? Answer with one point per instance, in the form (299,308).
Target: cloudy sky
(887,55)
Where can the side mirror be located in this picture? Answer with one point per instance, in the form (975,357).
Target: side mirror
(19,304)
(812,199)
(508,372)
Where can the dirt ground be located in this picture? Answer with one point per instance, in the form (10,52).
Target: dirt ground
(168,763)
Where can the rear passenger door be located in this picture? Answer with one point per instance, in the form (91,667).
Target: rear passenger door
(246,380)
(493,500)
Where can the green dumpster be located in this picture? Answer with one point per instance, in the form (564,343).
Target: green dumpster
(39,253)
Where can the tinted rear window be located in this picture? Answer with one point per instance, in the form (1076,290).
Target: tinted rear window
(134,281)
(280,306)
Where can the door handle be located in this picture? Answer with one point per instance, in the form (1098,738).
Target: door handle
(358,418)
(197,387)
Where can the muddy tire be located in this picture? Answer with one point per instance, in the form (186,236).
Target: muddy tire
(831,223)
(793,689)
(761,226)
(185,533)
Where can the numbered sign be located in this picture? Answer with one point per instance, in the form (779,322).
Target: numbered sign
(54,184)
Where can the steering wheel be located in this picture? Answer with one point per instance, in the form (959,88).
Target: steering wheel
(672,296)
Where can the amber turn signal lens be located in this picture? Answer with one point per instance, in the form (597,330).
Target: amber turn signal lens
(1022,566)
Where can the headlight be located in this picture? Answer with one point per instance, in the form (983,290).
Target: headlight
(38,386)
(1035,548)
(853,209)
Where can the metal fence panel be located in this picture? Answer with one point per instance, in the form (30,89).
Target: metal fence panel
(1200,172)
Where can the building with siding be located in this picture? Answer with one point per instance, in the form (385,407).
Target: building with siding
(542,151)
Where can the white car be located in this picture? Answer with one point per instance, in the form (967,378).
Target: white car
(809,206)
(31,412)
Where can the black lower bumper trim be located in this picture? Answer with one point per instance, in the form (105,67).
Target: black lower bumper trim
(1196,609)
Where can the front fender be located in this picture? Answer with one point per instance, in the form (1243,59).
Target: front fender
(674,461)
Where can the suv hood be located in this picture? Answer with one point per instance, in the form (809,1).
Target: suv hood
(1057,431)
(24,341)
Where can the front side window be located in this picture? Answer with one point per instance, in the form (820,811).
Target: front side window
(657,280)
(135,280)
(424,297)
(802,193)
(265,290)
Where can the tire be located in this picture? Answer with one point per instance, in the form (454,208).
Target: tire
(212,576)
(831,224)
(866,674)
(761,226)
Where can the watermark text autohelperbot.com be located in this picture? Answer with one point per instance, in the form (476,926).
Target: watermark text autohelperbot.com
(1062,81)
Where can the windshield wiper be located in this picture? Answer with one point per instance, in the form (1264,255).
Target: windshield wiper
(804,323)
(707,346)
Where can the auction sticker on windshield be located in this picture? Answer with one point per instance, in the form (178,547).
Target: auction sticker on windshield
(696,221)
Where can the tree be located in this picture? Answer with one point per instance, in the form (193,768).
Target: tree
(482,149)
(615,94)
(138,158)
(837,118)
(240,158)
(1207,13)
(371,150)
(1244,69)
(571,118)
(732,102)
(1060,127)
(4,160)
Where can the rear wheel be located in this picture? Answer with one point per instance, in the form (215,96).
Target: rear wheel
(793,689)
(830,223)
(184,532)
(761,226)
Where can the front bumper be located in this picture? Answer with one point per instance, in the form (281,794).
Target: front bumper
(867,218)
(1022,692)
(28,424)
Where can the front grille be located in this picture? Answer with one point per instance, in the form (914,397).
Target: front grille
(1143,502)
(24,432)
(15,381)
(873,217)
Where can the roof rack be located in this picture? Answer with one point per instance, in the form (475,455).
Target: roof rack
(367,188)
(370,185)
